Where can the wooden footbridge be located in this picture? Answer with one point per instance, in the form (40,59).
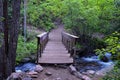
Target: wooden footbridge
(55,47)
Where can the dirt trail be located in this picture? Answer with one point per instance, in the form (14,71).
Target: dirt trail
(57,72)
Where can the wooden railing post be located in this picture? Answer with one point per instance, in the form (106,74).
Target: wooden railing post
(41,43)
(69,41)
(38,42)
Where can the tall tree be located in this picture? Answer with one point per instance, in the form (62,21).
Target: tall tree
(25,18)
(14,31)
(1,38)
(1,15)
(8,48)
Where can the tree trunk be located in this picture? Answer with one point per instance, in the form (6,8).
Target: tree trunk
(14,32)
(5,24)
(1,15)
(9,45)
(1,38)
(25,22)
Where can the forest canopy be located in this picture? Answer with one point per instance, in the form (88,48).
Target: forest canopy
(81,16)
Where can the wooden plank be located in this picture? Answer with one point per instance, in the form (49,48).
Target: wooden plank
(40,35)
(56,60)
(70,35)
(55,52)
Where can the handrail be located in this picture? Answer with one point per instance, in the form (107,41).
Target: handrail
(42,41)
(69,41)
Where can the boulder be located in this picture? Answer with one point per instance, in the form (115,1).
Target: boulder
(18,71)
(91,72)
(33,74)
(33,58)
(38,68)
(27,79)
(18,76)
(24,60)
(104,59)
(72,69)
(84,77)
(81,76)
(78,75)
(48,73)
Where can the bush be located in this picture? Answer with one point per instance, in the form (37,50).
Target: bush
(114,74)
(25,49)
(113,46)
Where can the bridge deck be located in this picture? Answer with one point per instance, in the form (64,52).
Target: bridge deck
(55,52)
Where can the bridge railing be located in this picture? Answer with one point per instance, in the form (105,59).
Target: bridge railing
(42,40)
(69,41)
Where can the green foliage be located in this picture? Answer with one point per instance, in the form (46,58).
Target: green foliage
(1,38)
(1,19)
(81,16)
(25,49)
(89,16)
(114,74)
(43,13)
(112,46)
(78,46)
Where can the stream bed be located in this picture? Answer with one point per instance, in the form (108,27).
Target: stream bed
(91,63)
(82,64)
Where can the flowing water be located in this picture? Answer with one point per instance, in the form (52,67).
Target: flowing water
(93,63)
(83,64)
(25,67)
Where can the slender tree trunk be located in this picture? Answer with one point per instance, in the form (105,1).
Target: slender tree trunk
(1,40)
(5,54)
(1,16)
(14,32)
(25,18)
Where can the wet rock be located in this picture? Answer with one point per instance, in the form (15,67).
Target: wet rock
(104,59)
(81,76)
(84,77)
(91,72)
(38,68)
(78,75)
(100,73)
(33,74)
(27,67)
(48,73)
(108,55)
(18,71)
(105,70)
(72,69)
(33,58)
(27,79)
(18,76)
(24,60)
